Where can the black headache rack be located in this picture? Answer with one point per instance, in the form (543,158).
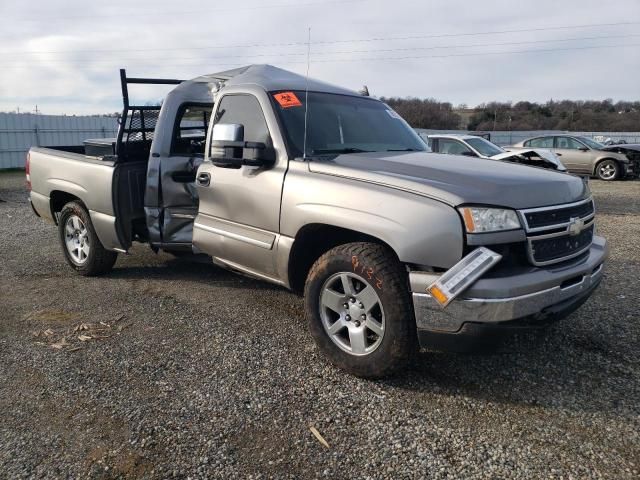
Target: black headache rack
(138,122)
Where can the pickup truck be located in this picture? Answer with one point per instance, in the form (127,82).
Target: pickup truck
(330,193)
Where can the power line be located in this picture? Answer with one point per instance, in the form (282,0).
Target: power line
(475,54)
(173,13)
(332,42)
(347,52)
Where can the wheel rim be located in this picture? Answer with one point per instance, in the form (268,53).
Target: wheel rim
(607,171)
(352,313)
(76,238)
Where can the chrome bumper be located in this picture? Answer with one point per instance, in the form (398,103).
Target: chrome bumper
(501,299)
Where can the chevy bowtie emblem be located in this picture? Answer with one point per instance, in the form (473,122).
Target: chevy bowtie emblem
(576,225)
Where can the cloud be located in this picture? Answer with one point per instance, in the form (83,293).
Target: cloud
(66,59)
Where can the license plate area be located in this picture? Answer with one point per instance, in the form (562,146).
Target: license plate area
(459,277)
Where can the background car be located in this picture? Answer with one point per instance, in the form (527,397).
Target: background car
(476,146)
(586,156)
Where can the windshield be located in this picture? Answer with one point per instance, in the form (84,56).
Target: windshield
(485,147)
(591,143)
(342,124)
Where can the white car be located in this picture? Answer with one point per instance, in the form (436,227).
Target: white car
(474,146)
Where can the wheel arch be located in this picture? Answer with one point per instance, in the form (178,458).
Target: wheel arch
(600,160)
(312,241)
(58,199)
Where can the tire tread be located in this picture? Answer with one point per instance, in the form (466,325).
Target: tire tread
(395,280)
(100,260)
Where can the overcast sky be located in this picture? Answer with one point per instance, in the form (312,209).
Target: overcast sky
(64,56)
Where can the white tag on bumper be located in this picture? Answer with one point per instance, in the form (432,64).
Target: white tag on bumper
(459,277)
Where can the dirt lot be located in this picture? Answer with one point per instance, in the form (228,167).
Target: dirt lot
(187,370)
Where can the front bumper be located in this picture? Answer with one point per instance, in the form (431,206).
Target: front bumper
(631,169)
(535,294)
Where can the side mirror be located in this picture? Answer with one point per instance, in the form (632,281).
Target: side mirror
(468,153)
(228,148)
(583,149)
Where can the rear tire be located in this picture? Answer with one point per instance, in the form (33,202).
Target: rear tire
(608,170)
(80,244)
(358,308)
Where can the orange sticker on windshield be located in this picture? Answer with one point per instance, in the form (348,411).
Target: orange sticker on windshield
(287,99)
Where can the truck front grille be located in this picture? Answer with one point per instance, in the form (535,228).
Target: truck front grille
(541,219)
(558,233)
(550,250)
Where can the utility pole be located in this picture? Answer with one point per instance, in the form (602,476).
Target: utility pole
(36,110)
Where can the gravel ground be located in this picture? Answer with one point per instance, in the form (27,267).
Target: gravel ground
(197,372)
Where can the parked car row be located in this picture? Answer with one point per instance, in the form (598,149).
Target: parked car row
(586,156)
(475,146)
(575,154)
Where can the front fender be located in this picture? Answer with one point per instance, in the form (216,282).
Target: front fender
(420,230)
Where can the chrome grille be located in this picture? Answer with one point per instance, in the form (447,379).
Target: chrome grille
(560,232)
(549,249)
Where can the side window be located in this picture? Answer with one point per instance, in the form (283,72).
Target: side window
(568,143)
(542,142)
(452,147)
(190,130)
(245,110)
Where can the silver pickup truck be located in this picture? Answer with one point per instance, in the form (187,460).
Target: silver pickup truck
(328,192)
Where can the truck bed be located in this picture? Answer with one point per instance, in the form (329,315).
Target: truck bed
(59,176)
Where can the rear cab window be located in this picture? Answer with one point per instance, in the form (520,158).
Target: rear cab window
(190,130)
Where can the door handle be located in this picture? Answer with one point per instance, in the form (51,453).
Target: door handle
(204,179)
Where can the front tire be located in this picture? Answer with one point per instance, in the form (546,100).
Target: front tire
(608,170)
(358,308)
(80,244)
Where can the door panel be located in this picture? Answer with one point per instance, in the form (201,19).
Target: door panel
(179,197)
(172,198)
(570,154)
(239,213)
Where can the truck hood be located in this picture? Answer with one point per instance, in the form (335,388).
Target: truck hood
(458,180)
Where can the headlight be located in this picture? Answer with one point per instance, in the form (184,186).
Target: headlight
(483,220)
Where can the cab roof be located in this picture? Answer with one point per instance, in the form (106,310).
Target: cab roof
(268,77)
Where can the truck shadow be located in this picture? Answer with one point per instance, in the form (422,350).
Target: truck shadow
(580,371)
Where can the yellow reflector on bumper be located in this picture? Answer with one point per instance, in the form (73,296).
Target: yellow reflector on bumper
(438,295)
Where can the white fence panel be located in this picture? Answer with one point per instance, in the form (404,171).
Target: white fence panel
(19,132)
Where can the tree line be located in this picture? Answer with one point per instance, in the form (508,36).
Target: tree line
(581,115)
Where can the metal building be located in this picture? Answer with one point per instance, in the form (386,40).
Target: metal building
(20,131)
